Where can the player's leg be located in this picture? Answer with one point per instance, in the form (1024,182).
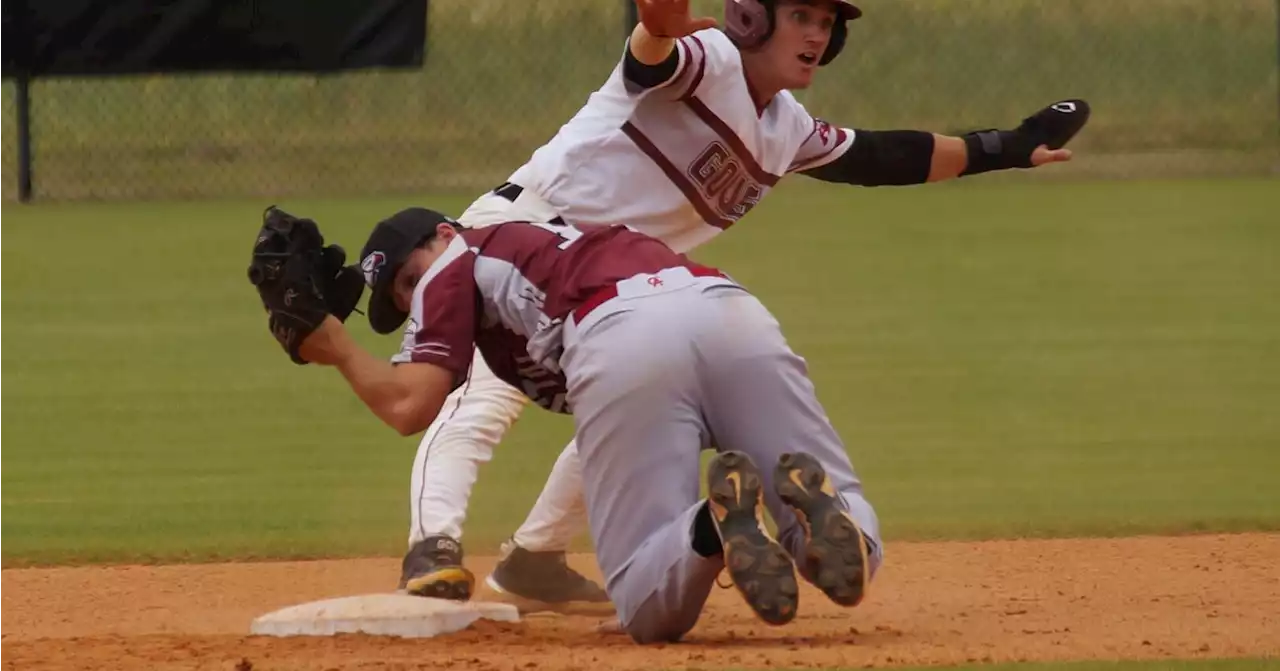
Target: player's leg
(639,434)
(533,573)
(640,429)
(474,418)
(472,422)
(560,513)
(762,402)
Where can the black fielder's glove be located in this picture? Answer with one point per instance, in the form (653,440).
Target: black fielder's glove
(1053,126)
(299,280)
(341,285)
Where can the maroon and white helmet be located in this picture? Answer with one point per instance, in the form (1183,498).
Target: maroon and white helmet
(749,23)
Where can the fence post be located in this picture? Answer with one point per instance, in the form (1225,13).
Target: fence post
(21,92)
(22,100)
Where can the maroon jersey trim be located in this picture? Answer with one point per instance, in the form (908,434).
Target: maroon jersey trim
(731,138)
(684,65)
(702,67)
(678,178)
(817,124)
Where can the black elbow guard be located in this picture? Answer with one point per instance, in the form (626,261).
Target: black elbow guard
(882,158)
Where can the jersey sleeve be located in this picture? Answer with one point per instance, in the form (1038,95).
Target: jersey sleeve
(442,318)
(702,57)
(824,144)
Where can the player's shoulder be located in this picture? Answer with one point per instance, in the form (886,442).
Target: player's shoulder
(788,101)
(793,113)
(714,39)
(716,46)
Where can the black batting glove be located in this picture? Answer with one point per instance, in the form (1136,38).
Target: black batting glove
(1052,127)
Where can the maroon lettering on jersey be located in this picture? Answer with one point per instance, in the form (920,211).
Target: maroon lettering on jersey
(508,357)
(824,130)
(507,288)
(726,172)
(724,182)
(731,139)
(678,178)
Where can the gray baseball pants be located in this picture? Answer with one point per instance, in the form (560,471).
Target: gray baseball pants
(654,378)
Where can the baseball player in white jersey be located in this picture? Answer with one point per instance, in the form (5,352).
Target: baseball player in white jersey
(692,128)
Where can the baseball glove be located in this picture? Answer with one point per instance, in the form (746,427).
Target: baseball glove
(299,279)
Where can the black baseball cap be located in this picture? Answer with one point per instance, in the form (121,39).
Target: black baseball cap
(389,245)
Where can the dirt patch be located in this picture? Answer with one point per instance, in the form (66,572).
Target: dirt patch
(934,603)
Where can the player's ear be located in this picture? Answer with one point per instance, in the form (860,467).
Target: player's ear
(445,231)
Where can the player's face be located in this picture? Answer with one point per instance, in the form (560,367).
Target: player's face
(417,264)
(801,32)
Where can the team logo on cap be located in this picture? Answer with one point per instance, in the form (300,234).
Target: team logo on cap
(371,265)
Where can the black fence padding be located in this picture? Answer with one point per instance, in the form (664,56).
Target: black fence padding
(10,37)
(118,37)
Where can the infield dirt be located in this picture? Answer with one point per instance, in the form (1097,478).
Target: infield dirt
(933,603)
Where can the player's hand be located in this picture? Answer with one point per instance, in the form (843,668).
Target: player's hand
(1052,128)
(323,346)
(1043,155)
(670,18)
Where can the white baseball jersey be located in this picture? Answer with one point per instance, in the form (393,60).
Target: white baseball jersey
(681,161)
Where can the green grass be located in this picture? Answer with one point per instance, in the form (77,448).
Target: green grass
(1030,360)
(1167,665)
(1178,87)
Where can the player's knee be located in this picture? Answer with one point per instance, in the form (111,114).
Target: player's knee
(647,633)
(654,625)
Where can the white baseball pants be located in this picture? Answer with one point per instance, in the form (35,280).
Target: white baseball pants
(656,376)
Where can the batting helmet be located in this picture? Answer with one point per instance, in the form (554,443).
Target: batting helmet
(749,23)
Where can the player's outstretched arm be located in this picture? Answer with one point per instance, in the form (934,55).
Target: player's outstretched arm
(902,157)
(405,396)
(652,59)
(661,22)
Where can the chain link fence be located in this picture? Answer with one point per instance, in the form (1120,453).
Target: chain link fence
(1179,87)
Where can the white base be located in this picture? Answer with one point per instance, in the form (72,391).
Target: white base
(380,614)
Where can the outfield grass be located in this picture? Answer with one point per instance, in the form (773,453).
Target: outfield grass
(1031,360)
(1178,87)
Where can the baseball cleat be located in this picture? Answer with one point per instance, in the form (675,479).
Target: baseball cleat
(433,568)
(836,553)
(538,582)
(761,570)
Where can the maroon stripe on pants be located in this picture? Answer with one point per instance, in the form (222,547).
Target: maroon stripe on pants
(678,178)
